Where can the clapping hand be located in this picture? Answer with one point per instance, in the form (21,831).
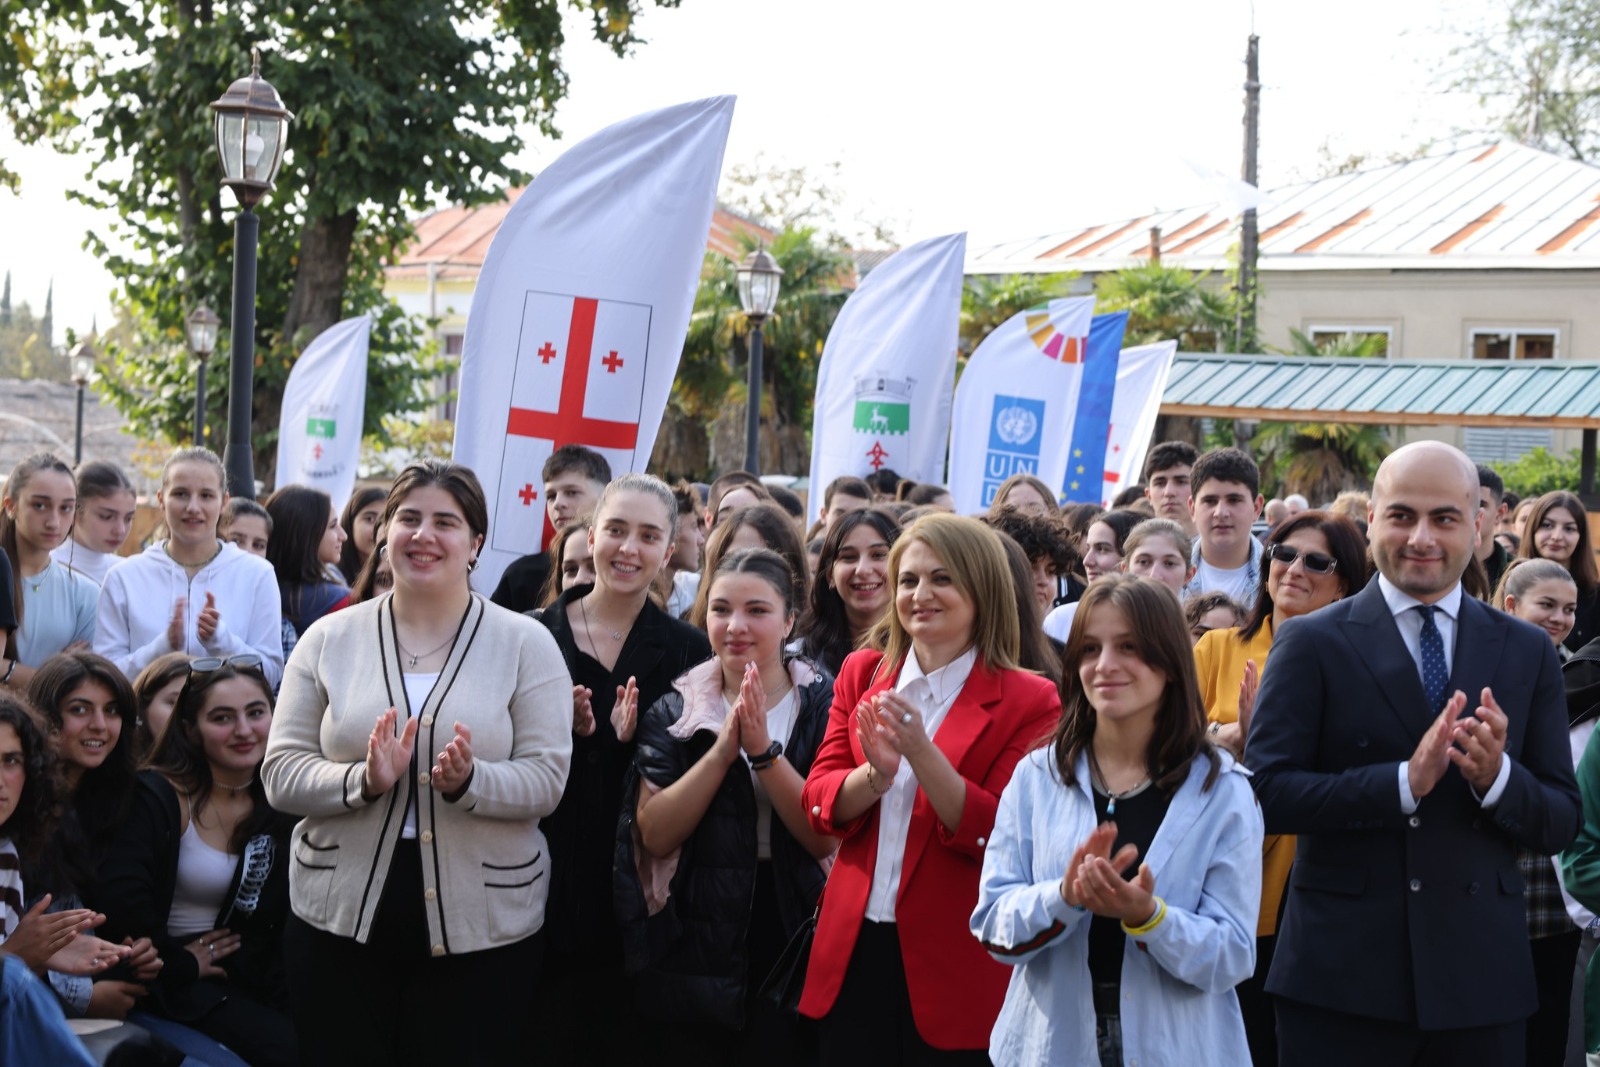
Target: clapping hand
(1479,743)
(726,748)
(1094,881)
(881,756)
(205,625)
(582,711)
(388,755)
(39,936)
(1433,755)
(453,770)
(1096,846)
(751,711)
(900,724)
(625,712)
(175,638)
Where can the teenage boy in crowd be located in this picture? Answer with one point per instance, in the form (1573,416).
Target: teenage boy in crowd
(1491,499)
(1167,482)
(843,495)
(1227,559)
(683,568)
(573,478)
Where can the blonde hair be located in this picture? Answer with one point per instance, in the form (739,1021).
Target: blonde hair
(975,558)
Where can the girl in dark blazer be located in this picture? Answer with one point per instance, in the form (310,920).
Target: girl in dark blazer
(623,653)
(201,867)
(922,737)
(721,867)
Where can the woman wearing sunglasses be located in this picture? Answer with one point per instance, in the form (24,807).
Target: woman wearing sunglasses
(1312,560)
(422,735)
(201,869)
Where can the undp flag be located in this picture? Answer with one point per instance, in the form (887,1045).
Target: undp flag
(1016,403)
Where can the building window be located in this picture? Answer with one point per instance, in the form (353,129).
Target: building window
(1514,344)
(1375,341)
(445,387)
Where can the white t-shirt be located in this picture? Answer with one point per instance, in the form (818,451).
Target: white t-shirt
(58,608)
(780,723)
(418,686)
(1238,582)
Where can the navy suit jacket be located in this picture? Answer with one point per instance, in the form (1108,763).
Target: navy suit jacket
(1417,918)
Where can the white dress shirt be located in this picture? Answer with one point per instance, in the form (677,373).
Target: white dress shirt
(1409,623)
(933,694)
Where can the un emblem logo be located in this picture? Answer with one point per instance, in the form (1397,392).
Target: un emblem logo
(1016,425)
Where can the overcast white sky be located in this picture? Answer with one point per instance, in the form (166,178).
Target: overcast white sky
(1008,119)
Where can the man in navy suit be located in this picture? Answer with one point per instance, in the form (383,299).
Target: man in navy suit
(1412,737)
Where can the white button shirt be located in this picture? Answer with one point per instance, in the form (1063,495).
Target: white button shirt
(933,694)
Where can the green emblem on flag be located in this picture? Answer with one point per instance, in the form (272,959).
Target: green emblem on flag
(882,417)
(321,428)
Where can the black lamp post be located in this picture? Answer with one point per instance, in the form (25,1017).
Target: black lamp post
(759,277)
(251,127)
(202,325)
(82,357)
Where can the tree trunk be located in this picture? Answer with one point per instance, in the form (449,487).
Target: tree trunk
(318,296)
(316,304)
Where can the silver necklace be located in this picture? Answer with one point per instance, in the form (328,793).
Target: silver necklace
(1105,787)
(413,657)
(583,606)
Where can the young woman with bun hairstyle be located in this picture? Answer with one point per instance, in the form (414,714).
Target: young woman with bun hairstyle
(106,508)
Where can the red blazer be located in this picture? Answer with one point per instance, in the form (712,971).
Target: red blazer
(956,986)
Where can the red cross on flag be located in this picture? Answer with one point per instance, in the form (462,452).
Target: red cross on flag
(581,310)
(579,379)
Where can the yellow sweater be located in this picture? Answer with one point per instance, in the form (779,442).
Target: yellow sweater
(1219,659)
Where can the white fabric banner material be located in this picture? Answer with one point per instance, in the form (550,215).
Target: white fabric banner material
(324,402)
(1142,374)
(581,310)
(888,368)
(1017,401)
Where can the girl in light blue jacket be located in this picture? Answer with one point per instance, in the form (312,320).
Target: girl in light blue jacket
(1124,872)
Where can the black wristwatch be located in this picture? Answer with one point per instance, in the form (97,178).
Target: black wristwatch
(767,758)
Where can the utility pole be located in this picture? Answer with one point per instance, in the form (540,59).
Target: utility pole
(1249,237)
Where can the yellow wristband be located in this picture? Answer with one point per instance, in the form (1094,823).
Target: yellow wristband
(1150,923)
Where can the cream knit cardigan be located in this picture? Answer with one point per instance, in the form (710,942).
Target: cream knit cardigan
(485,867)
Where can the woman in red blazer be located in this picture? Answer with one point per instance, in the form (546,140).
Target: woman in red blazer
(921,739)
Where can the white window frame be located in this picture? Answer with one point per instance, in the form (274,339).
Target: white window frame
(1348,328)
(1474,330)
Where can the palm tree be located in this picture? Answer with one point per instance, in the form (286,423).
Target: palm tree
(1166,303)
(987,300)
(1322,459)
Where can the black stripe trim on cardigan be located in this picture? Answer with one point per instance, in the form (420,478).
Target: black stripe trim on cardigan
(438,879)
(383,832)
(1039,941)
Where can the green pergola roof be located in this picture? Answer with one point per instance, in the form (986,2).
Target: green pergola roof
(1546,394)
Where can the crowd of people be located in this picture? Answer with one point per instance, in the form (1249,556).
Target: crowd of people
(721,777)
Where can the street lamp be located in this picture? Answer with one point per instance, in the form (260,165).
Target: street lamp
(202,325)
(251,127)
(759,277)
(82,357)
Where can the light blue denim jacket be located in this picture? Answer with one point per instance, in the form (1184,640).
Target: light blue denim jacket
(1178,1004)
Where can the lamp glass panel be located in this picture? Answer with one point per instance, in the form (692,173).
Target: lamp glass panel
(263,148)
(203,337)
(763,293)
(230,144)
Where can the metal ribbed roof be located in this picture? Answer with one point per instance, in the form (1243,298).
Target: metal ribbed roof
(1544,394)
(1498,205)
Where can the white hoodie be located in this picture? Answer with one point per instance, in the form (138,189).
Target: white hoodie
(137,598)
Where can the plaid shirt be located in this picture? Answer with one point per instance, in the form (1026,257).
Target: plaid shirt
(1547,912)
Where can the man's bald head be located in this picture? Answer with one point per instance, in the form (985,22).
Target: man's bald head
(1423,521)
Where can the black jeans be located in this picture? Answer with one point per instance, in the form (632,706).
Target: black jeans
(391,1001)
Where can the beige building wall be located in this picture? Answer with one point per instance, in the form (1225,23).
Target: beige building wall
(1433,314)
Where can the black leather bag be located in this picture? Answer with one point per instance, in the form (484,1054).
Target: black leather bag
(787,980)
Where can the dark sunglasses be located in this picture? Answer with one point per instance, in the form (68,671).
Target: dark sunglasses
(207,664)
(1315,562)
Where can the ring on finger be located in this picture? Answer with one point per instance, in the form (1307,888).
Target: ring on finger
(906,719)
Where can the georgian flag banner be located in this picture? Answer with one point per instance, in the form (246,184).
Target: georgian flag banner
(1142,375)
(581,310)
(1017,401)
(324,403)
(888,369)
